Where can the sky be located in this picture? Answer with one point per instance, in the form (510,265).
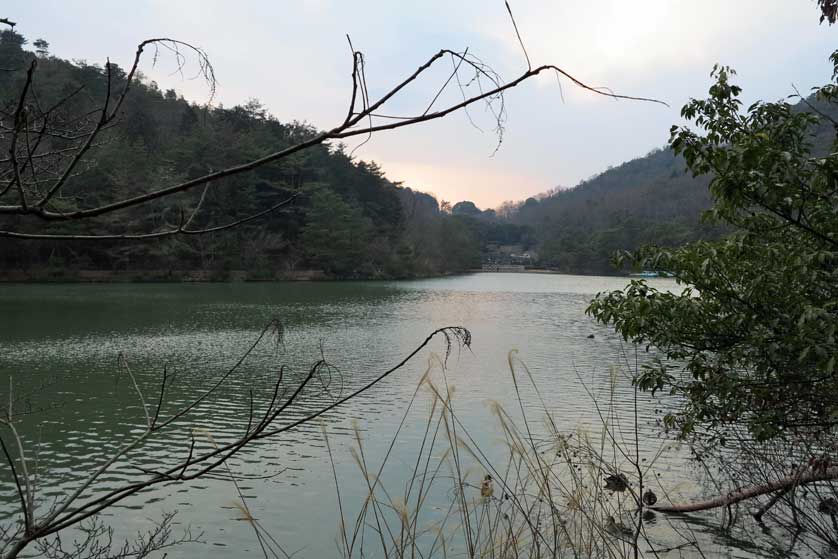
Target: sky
(293,56)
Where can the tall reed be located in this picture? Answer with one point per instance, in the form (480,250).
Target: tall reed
(553,493)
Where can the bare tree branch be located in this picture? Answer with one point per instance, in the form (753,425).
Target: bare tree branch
(350,127)
(78,506)
(811,476)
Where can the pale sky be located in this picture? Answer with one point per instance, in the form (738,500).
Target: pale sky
(293,57)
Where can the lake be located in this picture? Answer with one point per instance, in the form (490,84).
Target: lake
(60,346)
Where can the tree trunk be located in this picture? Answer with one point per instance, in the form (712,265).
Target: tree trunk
(753,491)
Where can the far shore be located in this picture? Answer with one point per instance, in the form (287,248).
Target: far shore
(221,276)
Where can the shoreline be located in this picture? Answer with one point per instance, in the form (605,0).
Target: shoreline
(191,276)
(231,276)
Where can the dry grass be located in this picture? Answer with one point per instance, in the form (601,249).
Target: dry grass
(545,498)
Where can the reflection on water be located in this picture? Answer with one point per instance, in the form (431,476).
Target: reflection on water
(59,345)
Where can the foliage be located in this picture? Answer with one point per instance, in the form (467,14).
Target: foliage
(754,328)
(829,10)
(335,234)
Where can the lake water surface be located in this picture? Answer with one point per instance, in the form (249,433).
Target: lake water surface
(59,346)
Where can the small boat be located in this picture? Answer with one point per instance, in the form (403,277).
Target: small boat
(645,274)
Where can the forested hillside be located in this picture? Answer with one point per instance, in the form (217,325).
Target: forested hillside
(348,220)
(650,200)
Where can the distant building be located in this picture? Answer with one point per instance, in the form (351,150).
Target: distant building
(503,268)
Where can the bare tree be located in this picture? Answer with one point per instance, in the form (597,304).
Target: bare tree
(43,154)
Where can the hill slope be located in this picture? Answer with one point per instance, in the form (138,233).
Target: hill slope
(350,221)
(650,200)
